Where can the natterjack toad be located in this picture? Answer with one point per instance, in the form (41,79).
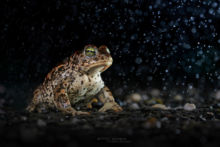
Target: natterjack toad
(77,80)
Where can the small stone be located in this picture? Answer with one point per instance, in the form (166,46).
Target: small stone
(48,117)
(145,97)
(202,118)
(24,118)
(134,106)
(62,120)
(160,106)
(189,107)
(155,92)
(217,95)
(164,119)
(152,123)
(134,97)
(178,97)
(178,108)
(154,101)
(75,120)
(210,113)
(101,117)
(41,123)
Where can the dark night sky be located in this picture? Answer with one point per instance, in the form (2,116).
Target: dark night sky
(153,40)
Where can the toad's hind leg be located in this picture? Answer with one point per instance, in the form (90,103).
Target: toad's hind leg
(62,101)
(31,107)
(89,104)
(105,96)
(35,101)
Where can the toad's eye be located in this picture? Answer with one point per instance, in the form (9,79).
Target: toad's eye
(90,52)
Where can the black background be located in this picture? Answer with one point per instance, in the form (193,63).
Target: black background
(146,39)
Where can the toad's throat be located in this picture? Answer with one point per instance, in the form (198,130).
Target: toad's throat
(97,67)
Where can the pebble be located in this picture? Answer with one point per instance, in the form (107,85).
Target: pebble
(164,119)
(152,123)
(217,95)
(160,106)
(134,106)
(75,120)
(189,107)
(178,108)
(210,113)
(155,92)
(178,97)
(24,118)
(61,120)
(202,118)
(87,126)
(101,117)
(154,101)
(41,123)
(134,97)
(145,97)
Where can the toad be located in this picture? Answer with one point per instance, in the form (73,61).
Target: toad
(77,80)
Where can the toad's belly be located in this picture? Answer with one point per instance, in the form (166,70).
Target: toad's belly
(85,93)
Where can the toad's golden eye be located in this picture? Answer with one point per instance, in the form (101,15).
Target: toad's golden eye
(90,52)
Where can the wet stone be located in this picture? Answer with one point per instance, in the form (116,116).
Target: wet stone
(155,92)
(41,123)
(178,97)
(134,106)
(189,107)
(160,106)
(134,97)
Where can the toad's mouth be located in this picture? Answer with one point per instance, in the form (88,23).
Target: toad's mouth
(97,67)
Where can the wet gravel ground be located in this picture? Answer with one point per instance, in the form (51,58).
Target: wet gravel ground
(146,126)
(138,125)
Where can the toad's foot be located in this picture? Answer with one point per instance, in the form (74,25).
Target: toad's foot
(81,113)
(111,106)
(74,113)
(94,100)
(30,108)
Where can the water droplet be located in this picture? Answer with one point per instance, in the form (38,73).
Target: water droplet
(138,60)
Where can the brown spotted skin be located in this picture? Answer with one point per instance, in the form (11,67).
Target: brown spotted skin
(75,81)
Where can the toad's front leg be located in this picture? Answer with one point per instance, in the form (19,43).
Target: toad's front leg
(62,101)
(105,96)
